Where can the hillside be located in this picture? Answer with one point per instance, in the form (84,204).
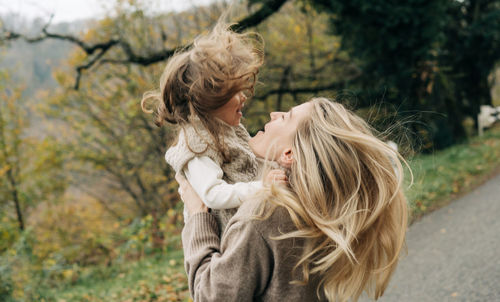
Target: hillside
(32,64)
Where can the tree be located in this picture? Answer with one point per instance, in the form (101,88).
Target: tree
(395,44)
(309,64)
(427,59)
(115,152)
(112,150)
(98,53)
(423,56)
(11,124)
(471,51)
(29,164)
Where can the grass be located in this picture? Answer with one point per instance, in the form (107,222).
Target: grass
(438,178)
(448,174)
(159,278)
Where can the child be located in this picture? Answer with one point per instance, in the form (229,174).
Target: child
(203,90)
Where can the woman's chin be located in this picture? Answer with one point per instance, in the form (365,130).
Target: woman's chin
(255,144)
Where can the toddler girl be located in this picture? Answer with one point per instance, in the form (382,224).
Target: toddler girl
(203,90)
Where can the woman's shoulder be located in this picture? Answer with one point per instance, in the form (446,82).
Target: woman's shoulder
(265,217)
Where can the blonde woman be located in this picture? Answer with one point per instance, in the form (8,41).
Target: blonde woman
(335,231)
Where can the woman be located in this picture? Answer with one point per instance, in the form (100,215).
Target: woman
(335,231)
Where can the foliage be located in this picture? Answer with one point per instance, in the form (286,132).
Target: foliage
(29,163)
(22,273)
(121,204)
(471,51)
(151,279)
(296,69)
(395,44)
(444,175)
(431,59)
(393,40)
(74,244)
(115,152)
(34,63)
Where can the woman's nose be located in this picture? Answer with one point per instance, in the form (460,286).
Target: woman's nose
(275,115)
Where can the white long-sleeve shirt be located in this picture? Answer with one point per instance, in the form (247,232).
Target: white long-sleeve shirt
(205,176)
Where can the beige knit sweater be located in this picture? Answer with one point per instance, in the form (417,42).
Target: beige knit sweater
(245,264)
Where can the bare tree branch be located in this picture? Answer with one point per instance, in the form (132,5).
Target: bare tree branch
(299,90)
(268,8)
(89,49)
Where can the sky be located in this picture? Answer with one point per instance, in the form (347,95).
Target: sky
(70,10)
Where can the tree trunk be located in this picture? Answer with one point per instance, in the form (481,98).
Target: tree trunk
(284,83)
(310,36)
(478,94)
(15,198)
(156,233)
(455,117)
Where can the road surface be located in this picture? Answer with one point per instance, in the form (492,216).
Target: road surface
(453,253)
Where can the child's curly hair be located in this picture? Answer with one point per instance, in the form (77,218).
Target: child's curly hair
(204,77)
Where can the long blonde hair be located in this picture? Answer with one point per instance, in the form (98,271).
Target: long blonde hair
(345,198)
(204,77)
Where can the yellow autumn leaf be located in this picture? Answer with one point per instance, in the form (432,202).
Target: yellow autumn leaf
(297,29)
(67,274)
(4,170)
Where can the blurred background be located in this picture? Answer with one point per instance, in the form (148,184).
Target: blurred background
(89,209)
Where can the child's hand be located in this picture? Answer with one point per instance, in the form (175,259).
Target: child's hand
(277,177)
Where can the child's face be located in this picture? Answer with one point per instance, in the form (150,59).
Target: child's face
(231,111)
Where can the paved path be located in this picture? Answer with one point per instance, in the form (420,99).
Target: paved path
(453,253)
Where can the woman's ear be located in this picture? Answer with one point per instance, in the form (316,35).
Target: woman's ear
(286,158)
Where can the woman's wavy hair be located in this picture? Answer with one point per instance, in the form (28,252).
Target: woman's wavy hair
(345,197)
(204,77)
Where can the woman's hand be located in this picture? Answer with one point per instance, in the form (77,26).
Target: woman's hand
(192,201)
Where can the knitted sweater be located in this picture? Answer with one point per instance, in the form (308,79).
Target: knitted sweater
(194,140)
(245,264)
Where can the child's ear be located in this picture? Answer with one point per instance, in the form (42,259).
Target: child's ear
(286,158)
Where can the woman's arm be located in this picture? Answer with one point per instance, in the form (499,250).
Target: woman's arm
(236,268)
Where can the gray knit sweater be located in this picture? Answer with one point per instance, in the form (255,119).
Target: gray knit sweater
(194,140)
(245,264)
